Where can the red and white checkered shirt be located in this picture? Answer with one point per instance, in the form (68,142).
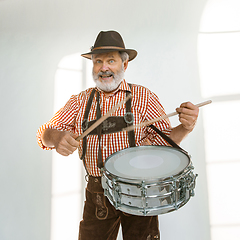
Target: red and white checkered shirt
(145,106)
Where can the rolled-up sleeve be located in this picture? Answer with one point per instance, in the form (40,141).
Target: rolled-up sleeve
(63,120)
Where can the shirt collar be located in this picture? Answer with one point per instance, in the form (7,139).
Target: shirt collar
(124,86)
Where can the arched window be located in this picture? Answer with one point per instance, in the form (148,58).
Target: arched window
(68,183)
(219,64)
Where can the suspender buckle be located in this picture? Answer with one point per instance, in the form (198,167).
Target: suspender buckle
(128,117)
(85,124)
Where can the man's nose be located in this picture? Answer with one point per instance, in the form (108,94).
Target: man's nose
(104,67)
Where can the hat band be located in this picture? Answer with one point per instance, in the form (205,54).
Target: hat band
(108,47)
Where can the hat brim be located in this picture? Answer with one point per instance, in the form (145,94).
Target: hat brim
(132,53)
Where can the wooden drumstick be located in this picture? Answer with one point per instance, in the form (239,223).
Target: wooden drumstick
(143,124)
(100,120)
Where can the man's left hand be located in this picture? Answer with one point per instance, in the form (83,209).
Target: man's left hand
(188,114)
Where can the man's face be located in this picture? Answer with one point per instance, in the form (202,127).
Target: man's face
(108,70)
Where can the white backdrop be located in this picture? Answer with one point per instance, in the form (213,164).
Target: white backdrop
(34,37)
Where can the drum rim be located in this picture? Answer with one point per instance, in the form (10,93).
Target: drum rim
(148,179)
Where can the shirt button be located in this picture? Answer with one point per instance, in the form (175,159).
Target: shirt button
(95,180)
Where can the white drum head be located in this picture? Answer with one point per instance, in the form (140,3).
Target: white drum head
(147,162)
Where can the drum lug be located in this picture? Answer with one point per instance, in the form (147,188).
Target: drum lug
(192,185)
(190,181)
(144,198)
(143,189)
(175,196)
(116,193)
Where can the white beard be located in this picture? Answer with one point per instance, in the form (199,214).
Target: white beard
(106,86)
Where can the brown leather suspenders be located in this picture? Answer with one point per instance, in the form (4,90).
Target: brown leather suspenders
(110,125)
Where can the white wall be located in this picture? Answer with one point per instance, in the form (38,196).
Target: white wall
(34,36)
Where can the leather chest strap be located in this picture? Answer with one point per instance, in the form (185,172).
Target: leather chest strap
(99,133)
(85,125)
(129,119)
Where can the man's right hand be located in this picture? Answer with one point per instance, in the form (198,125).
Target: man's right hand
(63,141)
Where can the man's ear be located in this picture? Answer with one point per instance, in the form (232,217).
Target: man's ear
(125,65)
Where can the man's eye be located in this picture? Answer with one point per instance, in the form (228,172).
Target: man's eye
(111,61)
(98,61)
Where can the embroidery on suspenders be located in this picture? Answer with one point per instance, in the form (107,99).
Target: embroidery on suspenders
(110,125)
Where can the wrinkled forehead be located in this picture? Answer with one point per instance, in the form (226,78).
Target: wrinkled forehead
(114,54)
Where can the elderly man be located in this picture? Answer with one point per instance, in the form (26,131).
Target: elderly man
(110,60)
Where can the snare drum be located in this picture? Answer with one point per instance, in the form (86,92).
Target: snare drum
(148,180)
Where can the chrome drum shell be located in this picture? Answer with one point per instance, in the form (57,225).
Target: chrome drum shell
(148,180)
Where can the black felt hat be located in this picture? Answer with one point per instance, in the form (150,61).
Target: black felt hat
(109,41)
